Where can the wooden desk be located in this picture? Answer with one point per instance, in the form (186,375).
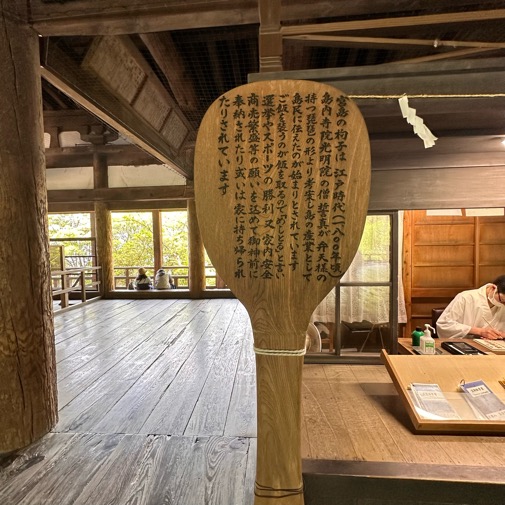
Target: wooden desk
(447,372)
(405,345)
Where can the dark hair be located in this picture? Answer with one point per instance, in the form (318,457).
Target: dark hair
(499,282)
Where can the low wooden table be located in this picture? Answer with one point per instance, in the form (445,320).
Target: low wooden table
(405,345)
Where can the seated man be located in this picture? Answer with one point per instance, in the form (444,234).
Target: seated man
(476,312)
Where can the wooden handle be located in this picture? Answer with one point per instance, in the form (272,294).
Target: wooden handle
(278,469)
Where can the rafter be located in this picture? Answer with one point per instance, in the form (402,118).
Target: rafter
(82,156)
(165,54)
(87,90)
(388,42)
(447,55)
(367,24)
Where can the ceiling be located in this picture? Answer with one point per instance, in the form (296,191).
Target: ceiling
(150,69)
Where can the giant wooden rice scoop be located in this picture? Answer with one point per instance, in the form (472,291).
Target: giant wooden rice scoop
(282,180)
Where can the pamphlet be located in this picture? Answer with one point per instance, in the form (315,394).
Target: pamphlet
(431,403)
(483,401)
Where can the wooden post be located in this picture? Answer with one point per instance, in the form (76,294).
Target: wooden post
(270,37)
(28,400)
(157,241)
(407,267)
(196,254)
(100,171)
(104,246)
(83,286)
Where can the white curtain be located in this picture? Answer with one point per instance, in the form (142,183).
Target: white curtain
(371,264)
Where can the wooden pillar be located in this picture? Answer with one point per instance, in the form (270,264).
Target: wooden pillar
(196,254)
(407,268)
(28,400)
(270,37)
(100,170)
(157,241)
(104,247)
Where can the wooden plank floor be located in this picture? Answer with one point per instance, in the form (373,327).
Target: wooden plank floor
(157,406)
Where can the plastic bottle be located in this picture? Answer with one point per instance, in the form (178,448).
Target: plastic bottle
(416,336)
(427,341)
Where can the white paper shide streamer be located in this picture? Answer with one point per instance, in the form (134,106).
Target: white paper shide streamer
(420,129)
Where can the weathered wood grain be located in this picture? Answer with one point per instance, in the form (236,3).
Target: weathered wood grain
(93,403)
(225,466)
(175,408)
(130,413)
(241,418)
(18,468)
(114,478)
(69,473)
(70,323)
(27,365)
(211,410)
(83,369)
(72,353)
(327,434)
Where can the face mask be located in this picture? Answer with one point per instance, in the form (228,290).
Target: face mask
(493,300)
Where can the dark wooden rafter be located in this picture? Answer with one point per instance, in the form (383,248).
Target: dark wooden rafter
(217,71)
(95,96)
(69,120)
(388,42)
(319,35)
(121,194)
(396,22)
(272,35)
(456,53)
(165,54)
(82,156)
(134,16)
(55,98)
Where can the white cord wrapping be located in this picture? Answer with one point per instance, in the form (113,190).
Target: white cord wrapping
(279,352)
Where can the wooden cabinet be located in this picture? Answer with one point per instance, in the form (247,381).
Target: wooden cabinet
(443,255)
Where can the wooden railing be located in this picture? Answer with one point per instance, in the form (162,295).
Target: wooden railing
(180,274)
(74,280)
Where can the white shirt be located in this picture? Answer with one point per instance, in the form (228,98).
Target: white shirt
(470,309)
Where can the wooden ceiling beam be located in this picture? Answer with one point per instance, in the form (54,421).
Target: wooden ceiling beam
(82,156)
(134,16)
(87,90)
(167,57)
(396,22)
(77,207)
(446,55)
(387,42)
(70,119)
(137,194)
(452,79)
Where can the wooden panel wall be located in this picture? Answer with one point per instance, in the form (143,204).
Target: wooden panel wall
(444,255)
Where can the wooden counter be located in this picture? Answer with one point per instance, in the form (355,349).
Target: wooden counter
(448,371)
(405,345)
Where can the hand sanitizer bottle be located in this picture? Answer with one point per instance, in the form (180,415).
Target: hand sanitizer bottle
(427,341)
